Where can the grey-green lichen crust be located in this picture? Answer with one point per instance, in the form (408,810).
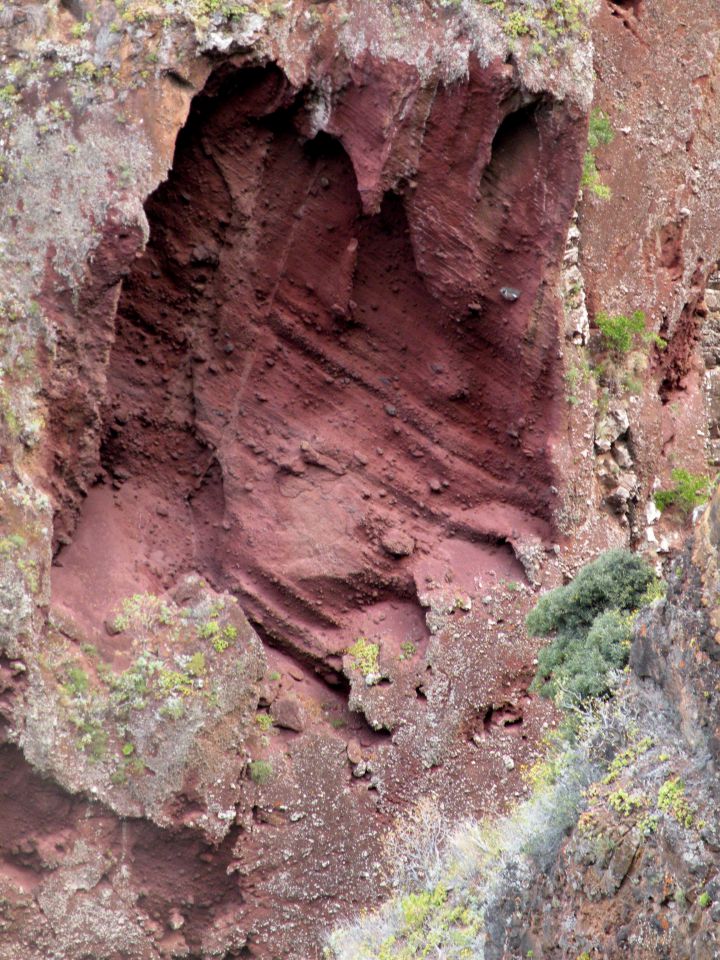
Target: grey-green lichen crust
(177,708)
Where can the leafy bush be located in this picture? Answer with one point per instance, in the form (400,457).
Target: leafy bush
(620,333)
(261,772)
(600,131)
(690,490)
(671,799)
(365,658)
(591,618)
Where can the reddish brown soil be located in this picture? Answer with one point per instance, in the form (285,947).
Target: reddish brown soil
(332,394)
(287,392)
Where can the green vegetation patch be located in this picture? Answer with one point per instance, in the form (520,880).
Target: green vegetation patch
(261,772)
(689,490)
(671,799)
(429,920)
(591,619)
(621,333)
(365,656)
(600,133)
(544,24)
(176,649)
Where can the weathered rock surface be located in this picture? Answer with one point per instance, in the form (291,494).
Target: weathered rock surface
(640,873)
(280,308)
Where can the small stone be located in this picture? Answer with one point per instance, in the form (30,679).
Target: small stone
(651,512)
(508,763)
(176,921)
(205,254)
(511,294)
(397,544)
(360,769)
(621,452)
(487,600)
(390,410)
(113,626)
(288,714)
(354,752)
(435,485)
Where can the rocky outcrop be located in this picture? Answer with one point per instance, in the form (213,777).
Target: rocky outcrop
(286,439)
(640,873)
(281,300)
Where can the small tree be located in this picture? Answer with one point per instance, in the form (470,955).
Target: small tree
(591,619)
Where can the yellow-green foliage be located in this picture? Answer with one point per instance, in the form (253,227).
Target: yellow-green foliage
(689,490)
(672,800)
(407,650)
(167,680)
(224,8)
(543,24)
(621,333)
(365,657)
(627,757)
(220,637)
(264,721)
(196,667)
(600,132)
(142,611)
(428,920)
(625,803)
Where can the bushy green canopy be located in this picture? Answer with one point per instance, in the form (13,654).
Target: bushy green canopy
(591,618)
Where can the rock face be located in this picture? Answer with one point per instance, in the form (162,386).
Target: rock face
(640,873)
(286,442)
(289,345)
(291,370)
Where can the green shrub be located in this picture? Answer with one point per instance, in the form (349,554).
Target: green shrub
(591,618)
(671,799)
(261,772)
(690,490)
(600,131)
(591,180)
(619,331)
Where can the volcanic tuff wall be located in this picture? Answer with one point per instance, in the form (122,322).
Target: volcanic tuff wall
(284,334)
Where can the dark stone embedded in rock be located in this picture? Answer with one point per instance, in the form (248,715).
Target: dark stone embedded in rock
(204,254)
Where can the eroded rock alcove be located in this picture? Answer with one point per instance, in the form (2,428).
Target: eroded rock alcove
(329,388)
(323,404)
